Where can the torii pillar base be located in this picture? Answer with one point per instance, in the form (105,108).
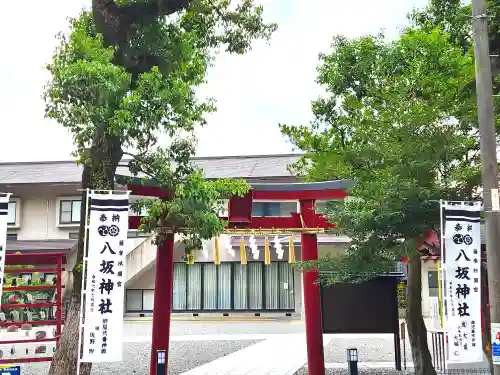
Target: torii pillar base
(162,300)
(312,296)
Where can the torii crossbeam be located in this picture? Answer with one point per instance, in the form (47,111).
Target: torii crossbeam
(306,222)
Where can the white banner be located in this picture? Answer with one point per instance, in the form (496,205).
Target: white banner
(105,277)
(4,212)
(462,267)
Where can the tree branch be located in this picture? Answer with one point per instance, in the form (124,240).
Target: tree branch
(138,12)
(114,21)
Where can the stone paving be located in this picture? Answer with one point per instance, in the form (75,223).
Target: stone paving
(379,348)
(184,355)
(197,343)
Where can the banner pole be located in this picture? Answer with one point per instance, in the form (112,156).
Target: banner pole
(84,268)
(5,198)
(442,295)
(441,263)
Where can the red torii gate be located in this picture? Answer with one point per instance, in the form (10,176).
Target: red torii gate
(307,222)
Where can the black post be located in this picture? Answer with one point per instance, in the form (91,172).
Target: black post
(403,339)
(397,337)
(352,361)
(161,366)
(397,350)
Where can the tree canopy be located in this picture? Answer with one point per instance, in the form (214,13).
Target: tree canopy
(388,122)
(454,17)
(119,88)
(127,74)
(394,119)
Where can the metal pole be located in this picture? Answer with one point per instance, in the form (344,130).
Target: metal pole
(489,156)
(84,268)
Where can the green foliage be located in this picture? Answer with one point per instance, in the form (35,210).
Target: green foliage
(11,279)
(195,203)
(126,74)
(389,122)
(449,15)
(92,95)
(455,18)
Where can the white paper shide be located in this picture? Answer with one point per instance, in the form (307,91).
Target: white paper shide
(105,278)
(462,267)
(4,212)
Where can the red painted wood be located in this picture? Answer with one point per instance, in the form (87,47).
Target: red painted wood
(312,296)
(28,270)
(300,195)
(240,208)
(29,305)
(59,296)
(28,287)
(33,323)
(155,191)
(57,258)
(34,259)
(28,341)
(26,360)
(162,300)
(292,221)
(147,191)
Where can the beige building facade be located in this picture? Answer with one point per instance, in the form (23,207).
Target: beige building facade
(44,214)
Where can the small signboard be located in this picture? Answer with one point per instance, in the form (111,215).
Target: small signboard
(495,343)
(8,370)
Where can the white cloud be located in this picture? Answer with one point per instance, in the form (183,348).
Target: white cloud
(271,84)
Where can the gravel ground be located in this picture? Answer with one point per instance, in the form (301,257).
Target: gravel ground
(376,349)
(183,356)
(378,371)
(181,328)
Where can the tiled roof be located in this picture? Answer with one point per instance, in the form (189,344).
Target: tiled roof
(257,166)
(40,246)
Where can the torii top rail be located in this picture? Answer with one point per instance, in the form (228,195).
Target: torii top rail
(240,208)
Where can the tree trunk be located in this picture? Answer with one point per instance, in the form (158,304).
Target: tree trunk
(98,173)
(417,332)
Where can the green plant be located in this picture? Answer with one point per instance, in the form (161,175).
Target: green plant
(11,279)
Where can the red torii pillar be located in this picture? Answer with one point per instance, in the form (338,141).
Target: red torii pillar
(312,295)
(306,194)
(164,277)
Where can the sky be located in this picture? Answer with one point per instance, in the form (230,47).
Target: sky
(272,84)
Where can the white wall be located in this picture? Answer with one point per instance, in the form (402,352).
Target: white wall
(38,214)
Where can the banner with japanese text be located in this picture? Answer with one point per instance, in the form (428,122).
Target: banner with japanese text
(462,267)
(105,277)
(4,216)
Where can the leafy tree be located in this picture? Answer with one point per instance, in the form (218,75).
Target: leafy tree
(388,121)
(455,17)
(126,74)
